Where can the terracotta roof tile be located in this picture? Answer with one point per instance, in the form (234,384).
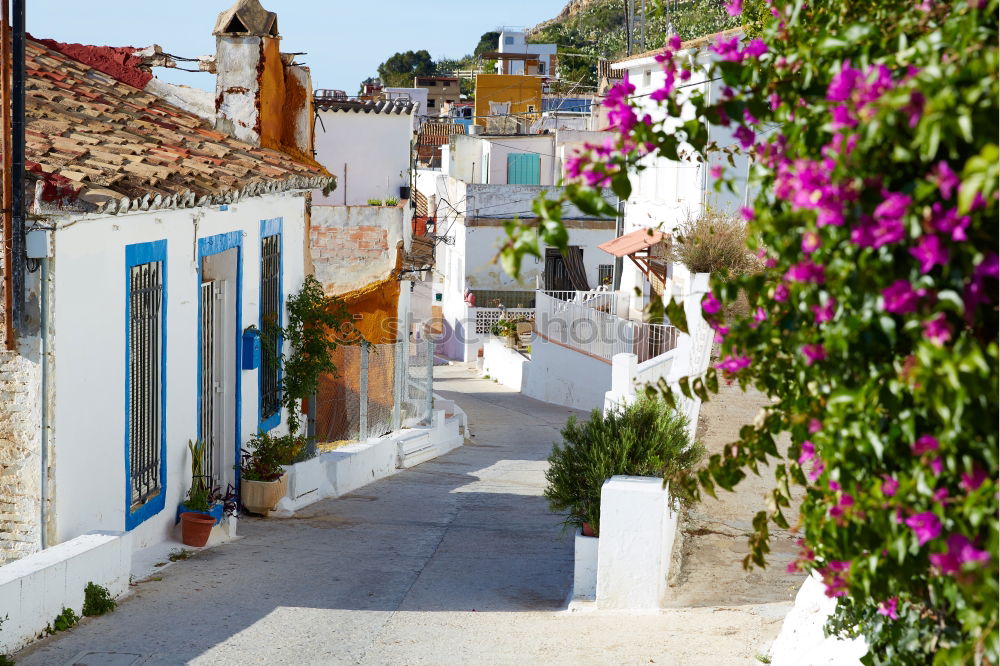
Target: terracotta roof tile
(129,145)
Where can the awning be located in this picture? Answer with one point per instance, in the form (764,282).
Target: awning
(632,242)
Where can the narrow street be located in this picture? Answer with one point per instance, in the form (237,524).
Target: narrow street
(456,561)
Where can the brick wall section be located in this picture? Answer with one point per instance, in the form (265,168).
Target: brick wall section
(347,249)
(20,446)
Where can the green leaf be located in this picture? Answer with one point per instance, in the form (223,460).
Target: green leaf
(677,316)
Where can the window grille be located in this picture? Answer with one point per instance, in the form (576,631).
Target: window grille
(270,317)
(208,387)
(144,363)
(605,273)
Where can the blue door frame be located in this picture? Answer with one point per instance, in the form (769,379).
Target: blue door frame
(207,247)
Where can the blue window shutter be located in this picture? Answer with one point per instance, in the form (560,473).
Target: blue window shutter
(523,169)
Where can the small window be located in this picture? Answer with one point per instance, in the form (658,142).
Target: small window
(647,78)
(431,104)
(430,84)
(446,84)
(531,108)
(541,68)
(270,323)
(508,41)
(605,273)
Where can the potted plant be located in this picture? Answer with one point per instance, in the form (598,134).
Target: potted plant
(263,478)
(509,326)
(646,438)
(204,506)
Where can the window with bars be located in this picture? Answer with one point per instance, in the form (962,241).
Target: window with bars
(605,273)
(145,357)
(270,319)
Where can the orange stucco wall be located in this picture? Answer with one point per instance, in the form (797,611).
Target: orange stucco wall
(283,102)
(521,91)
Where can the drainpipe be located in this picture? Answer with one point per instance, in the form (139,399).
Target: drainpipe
(44,356)
(7,193)
(17,197)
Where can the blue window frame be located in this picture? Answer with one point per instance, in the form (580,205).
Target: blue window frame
(145,380)
(269,377)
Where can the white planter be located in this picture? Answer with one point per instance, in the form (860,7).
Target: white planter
(585,567)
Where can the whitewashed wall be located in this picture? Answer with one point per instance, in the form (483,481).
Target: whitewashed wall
(353,246)
(89,346)
(373,147)
(566,377)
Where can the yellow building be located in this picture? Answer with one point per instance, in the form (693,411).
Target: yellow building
(503,99)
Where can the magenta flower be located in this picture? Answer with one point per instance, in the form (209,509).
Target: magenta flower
(976,290)
(925,525)
(727,49)
(808,452)
(755,49)
(774,100)
(888,608)
(889,485)
(824,313)
(733,364)
(734,7)
(781,293)
(843,83)
(745,136)
(924,444)
(814,353)
(929,252)
(946,179)
(843,118)
(936,466)
(940,495)
(759,315)
(900,297)
(972,481)
(816,471)
(815,425)
(914,108)
(806,271)
(891,211)
(949,222)
(710,304)
(810,242)
(716,171)
(960,551)
(937,330)
(674,42)
(746,213)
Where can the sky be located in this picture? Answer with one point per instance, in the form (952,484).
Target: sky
(344,41)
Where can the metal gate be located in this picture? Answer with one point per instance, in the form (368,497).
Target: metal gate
(145,303)
(209,383)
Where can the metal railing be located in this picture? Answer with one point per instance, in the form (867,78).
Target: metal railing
(605,301)
(578,324)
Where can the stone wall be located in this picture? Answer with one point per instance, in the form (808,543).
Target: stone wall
(20,450)
(353,246)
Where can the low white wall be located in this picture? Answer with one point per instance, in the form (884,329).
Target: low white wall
(636,540)
(585,567)
(508,366)
(566,377)
(35,589)
(802,642)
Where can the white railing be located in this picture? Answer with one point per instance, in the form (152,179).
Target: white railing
(576,324)
(605,301)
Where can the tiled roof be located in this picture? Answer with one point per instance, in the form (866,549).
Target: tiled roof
(392,106)
(438,134)
(96,143)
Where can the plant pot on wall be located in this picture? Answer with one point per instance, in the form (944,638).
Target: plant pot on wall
(262,496)
(404,192)
(196,528)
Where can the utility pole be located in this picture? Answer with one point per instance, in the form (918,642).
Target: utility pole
(629,14)
(7,191)
(17,169)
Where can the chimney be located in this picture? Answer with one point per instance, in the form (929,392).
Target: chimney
(261,96)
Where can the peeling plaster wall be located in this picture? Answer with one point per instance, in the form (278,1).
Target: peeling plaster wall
(353,246)
(237,87)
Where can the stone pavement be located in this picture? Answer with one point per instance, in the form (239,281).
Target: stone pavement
(456,561)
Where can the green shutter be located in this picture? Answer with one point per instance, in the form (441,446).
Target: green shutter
(523,169)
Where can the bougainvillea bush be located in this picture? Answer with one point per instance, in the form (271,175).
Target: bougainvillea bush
(872,126)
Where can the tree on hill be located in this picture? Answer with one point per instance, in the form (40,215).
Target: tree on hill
(489,41)
(398,71)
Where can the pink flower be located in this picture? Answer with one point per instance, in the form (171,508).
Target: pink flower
(925,525)
(842,117)
(759,315)
(948,221)
(914,108)
(940,495)
(946,179)
(972,481)
(815,425)
(900,297)
(774,100)
(808,452)
(888,608)
(929,252)
(824,313)
(733,364)
(716,171)
(817,470)
(936,466)
(727,49)
(710,304)
(810,242)
(889,485)
(806,271)
(674,42)
(889,218)
(924,444)
(745,136)
(746,213)
(960,551)
(734,7)
(755,49)
(937,330)
(843,83)
(813,353)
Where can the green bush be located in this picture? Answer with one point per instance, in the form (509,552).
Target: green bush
(97,600)
(646,438)
(374,202)
(391,202)
(67,619)
(267,453)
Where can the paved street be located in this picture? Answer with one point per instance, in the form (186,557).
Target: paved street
(457,561)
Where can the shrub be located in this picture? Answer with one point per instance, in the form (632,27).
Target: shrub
(374,202)
(267,454)
(67,619)
(97,600)
(714,243)
(646,438)
(391,202)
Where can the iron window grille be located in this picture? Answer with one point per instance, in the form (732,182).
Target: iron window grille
(605,273)
(270,315)
(145,357)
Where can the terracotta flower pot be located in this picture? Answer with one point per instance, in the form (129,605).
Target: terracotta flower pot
(588,531)
(195,528)
(262,496)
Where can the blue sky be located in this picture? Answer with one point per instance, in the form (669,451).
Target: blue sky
(345,40)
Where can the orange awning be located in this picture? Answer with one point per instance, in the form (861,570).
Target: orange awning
(632,242)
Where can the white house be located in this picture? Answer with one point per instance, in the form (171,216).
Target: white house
(157,242)
(666,193)
(517,56)
(471,287)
